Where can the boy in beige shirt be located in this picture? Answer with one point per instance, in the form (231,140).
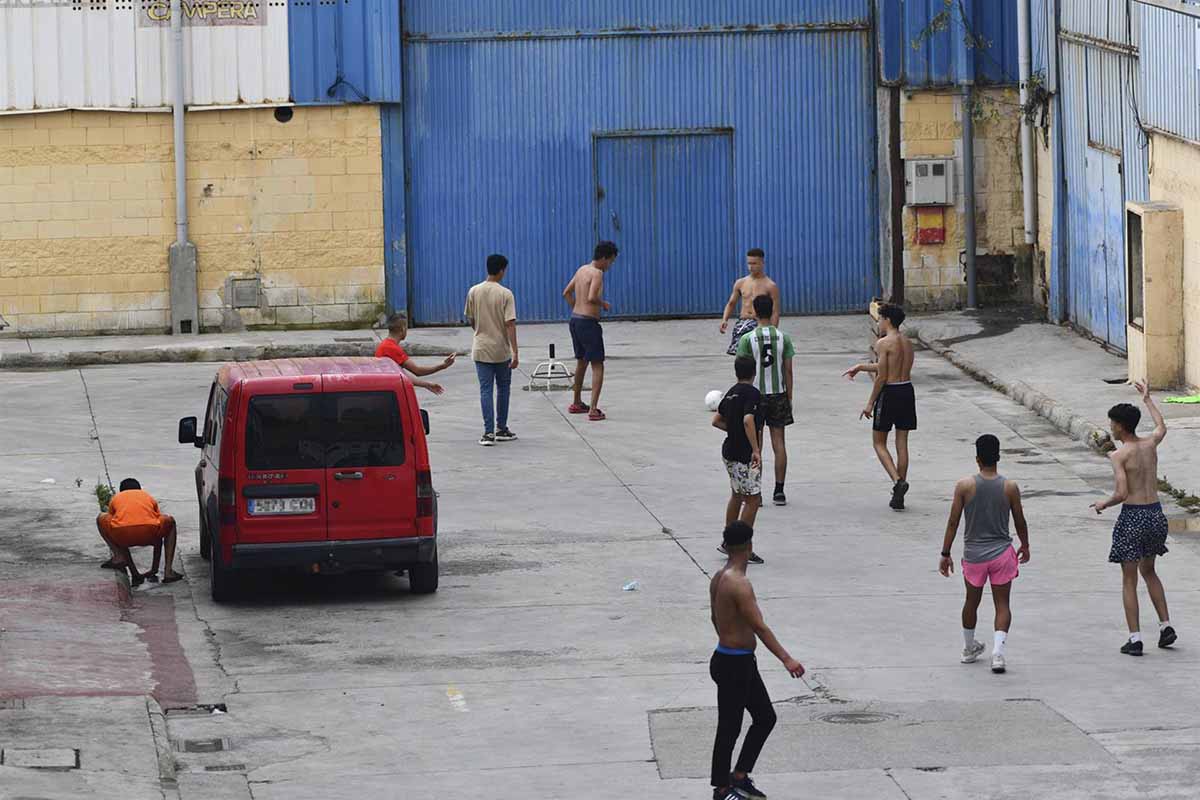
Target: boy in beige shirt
(492,312)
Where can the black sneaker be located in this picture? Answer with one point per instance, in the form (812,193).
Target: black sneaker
(726,794)
(755,558)
(505,435)
(746,788)
(1167,637)
(487,440)
(1132,648)
(780,499)
(899,489)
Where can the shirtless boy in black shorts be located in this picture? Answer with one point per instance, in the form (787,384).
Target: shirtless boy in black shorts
(893,403)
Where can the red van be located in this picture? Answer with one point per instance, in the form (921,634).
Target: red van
(319,464)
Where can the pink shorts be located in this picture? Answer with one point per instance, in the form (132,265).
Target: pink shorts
(1000,570)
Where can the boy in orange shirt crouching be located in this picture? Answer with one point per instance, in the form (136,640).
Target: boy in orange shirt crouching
(133,520)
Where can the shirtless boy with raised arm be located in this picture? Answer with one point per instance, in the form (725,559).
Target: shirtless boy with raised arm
(585,295)
(745,289)
(739,624)
(892,403)
(1140,534)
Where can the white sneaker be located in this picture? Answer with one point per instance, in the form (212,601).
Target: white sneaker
(971,654)
(998,665)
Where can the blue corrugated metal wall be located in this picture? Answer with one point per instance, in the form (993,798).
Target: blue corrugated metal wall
(344,52)
(1170,75)
(500,131)
(1104,160)
(913,60)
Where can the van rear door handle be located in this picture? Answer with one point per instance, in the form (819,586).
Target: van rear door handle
(347,476)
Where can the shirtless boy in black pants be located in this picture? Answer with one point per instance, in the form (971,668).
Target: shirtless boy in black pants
(733,667)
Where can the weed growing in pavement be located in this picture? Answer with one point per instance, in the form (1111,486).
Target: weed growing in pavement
(1188,502)
(104,493)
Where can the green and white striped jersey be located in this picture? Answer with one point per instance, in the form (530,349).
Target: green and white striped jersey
(769,347)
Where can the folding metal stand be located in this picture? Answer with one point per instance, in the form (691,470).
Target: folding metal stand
(549,371)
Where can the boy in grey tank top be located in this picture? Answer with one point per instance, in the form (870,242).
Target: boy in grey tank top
(989,501)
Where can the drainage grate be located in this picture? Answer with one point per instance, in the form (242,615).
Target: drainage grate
(245,292)
(12,704)
(199,710)
(226,768)
(48,759)
(202,745)
(856,717)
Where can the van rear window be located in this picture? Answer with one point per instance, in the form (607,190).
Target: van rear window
(314,431)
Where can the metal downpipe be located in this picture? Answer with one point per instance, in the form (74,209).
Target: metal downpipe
(1028,174)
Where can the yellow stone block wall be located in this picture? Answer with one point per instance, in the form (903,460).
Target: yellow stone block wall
(1175,178)
(931,125)
(87,213)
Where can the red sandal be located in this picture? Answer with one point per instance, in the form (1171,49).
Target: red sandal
(578,408)
(596,415)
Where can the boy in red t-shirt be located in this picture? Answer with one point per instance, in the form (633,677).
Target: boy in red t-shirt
(133,520)
(391,348)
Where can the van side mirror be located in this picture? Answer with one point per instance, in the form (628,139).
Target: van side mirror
(187,432)
(425,421)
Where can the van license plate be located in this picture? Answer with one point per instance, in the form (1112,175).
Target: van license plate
(283,505)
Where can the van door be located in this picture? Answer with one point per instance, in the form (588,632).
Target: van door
(369,466)
(281,480)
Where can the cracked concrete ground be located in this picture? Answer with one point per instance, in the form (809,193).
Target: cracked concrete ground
(532,672)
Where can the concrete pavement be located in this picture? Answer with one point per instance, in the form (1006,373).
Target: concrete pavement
(531,671)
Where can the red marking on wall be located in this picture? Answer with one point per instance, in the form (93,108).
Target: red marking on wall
(77,639)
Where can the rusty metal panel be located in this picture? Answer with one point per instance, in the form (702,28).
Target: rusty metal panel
(524,18)
(501,137)
(1169,87)
(115,53)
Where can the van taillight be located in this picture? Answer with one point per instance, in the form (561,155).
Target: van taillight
(226,501)
(425,494)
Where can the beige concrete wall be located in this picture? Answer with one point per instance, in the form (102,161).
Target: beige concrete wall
(1175,178)
(87,212)
(931,125)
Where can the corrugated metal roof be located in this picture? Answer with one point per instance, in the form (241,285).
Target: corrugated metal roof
(526,17)
(1169,89)
(915,55)
(345,52)
(115,54)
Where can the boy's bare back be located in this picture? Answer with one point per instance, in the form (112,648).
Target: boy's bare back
(1140,462)
(896,356)
(727,591)
(588,285)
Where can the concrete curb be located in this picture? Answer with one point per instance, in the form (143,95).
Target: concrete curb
(1060,416)
(162,745)
(184,355)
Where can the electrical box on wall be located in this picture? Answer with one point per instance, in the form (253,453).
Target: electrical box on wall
(929,181)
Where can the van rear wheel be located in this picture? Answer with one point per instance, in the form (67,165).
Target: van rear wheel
(423,578)
(220,577)
(205,540)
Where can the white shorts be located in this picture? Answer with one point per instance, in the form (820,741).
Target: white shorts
(744,479)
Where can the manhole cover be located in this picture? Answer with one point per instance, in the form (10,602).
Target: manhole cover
(202,745)
(200,710)
(856,717)
(226,768)
(48,758)
(12,704)
(349,340)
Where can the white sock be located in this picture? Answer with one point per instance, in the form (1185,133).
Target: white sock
(998,644)
(1166,623)
(969,637)
(1135,637)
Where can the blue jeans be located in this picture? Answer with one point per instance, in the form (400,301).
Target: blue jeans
(501,374)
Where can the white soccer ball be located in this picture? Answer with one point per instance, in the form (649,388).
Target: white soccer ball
(713,399)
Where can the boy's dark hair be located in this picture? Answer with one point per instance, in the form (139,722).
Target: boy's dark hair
(737,533)
(764,306)
(496,264)
(397,321)
(893,313)
(1126,415)
(755,252)
(987,450)
(744,368)
(605,250)
(129,484)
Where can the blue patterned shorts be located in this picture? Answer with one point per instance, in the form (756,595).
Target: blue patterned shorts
(1140,532)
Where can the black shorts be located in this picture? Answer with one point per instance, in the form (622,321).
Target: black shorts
(896,407)
(587,337)
(1140,532)
(777,410)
